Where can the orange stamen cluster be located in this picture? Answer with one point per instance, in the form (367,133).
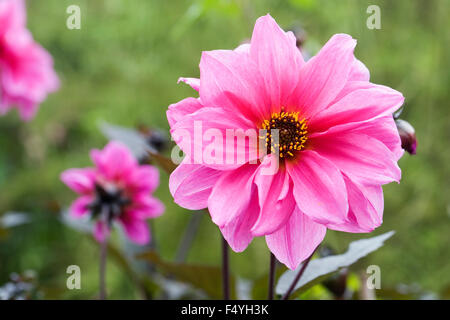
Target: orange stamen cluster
(292,133)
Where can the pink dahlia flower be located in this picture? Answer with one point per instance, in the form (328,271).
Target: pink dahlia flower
(338,142)
(117,189)
(26,69)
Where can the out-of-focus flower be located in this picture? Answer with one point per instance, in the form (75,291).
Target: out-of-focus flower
(338,143)
(26,69)
(117,189)
(407,135)
(20,287)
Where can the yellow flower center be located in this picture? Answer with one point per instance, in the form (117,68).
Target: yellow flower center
(292,133)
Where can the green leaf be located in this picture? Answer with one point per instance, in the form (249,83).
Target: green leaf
(206,278)
(319,268)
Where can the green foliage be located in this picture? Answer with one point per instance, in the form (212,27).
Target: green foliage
(318,269)
(206,278)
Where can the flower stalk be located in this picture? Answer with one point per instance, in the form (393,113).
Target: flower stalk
(297,278)
(225,270)
(272,269)
(103,256)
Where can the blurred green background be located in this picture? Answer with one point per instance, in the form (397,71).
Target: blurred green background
(122,67)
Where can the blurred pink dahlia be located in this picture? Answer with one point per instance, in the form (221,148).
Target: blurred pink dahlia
(26,69)
(338,142)
(117,189)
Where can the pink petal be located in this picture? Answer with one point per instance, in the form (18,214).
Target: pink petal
(5,106)
(193,82)
(350,87)
(245,47)
(359,105)
(324,75)
(231,194)
(12,15)
(296,240)
(366,208)
(145,206)
(80,206)
(361,157)
(319,188)
(358,72)
(278,58)
(179,110)
(383,129)
(101,231)
(237,231)
(137,230)
(79,180)
(190,134)
(224,76)
(28,110)
(144,178)
(276,201)
(191,185)
(115,161)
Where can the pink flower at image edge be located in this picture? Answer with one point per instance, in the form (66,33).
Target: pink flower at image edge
(26,69)
(119,185)
(339,142)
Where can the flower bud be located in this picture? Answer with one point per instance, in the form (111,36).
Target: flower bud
(407,135)
(300,35)
(155,138)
